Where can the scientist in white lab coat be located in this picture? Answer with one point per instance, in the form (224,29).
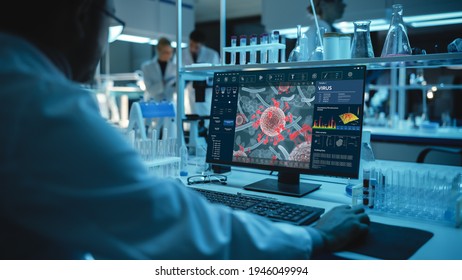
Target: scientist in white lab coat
(159,76)
(198,94)
(71,184)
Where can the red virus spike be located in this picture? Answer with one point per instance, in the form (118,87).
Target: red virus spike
(275,102)
(294,135)
(256,124)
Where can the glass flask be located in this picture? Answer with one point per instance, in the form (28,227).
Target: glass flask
(397,42)
(318,52)
(361,46)
(299,53)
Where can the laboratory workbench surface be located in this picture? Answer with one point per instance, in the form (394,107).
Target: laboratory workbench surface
(445,244)
(446,136)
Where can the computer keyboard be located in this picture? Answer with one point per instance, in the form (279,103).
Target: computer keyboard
(267,207)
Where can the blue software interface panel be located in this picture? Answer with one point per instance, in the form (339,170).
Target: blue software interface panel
(308,119)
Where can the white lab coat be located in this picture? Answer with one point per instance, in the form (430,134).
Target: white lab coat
(160,88)
(206,55)
(72,180)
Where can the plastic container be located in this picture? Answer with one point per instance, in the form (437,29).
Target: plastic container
(331,46)
(344,46)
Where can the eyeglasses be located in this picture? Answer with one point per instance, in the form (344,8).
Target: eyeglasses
(202,179)
(116,26)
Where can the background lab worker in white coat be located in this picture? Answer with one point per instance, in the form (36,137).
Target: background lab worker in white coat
(198,94)
(159,76)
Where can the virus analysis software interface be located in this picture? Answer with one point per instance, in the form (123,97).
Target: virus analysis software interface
(295,121)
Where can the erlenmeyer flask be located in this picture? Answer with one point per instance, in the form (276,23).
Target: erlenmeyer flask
(397,42)
(295,54)
(300,52)
(361,46)
(318,52)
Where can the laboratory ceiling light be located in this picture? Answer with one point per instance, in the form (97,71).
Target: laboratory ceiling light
(291,33)
(376,25)
(133,39)
(436,22)
(144,40)
(414,21)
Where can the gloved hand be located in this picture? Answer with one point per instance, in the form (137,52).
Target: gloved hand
(342,225)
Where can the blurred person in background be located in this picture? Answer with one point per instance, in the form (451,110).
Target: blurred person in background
(159,76)
(198,94)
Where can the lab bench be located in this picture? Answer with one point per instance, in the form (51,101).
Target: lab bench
(444,244)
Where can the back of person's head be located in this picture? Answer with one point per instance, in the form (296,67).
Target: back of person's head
(38,19)
(75,30)
(197,36)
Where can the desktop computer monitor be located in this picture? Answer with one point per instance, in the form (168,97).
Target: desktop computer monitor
(294,121)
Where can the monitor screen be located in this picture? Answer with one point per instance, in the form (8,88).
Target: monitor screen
(294,121)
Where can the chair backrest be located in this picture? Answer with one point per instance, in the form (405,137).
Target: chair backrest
(441,155)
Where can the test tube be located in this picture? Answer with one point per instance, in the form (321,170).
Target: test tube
(233,52)
(263,50)
(253,52)
(274,52)
(366,186)
(242,53)
(283,51)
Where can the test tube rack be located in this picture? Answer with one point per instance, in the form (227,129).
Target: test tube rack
(424,195)
(164,167)
(275,47)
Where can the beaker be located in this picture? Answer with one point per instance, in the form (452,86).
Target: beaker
(361,46)
(397,42)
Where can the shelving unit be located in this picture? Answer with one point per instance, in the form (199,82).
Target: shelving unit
(397,65)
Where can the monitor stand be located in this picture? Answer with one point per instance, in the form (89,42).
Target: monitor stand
(288,183)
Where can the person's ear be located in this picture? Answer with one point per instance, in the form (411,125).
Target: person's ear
(82,17)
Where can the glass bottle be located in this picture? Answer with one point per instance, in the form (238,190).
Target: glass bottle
(397,42)
(361,46)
